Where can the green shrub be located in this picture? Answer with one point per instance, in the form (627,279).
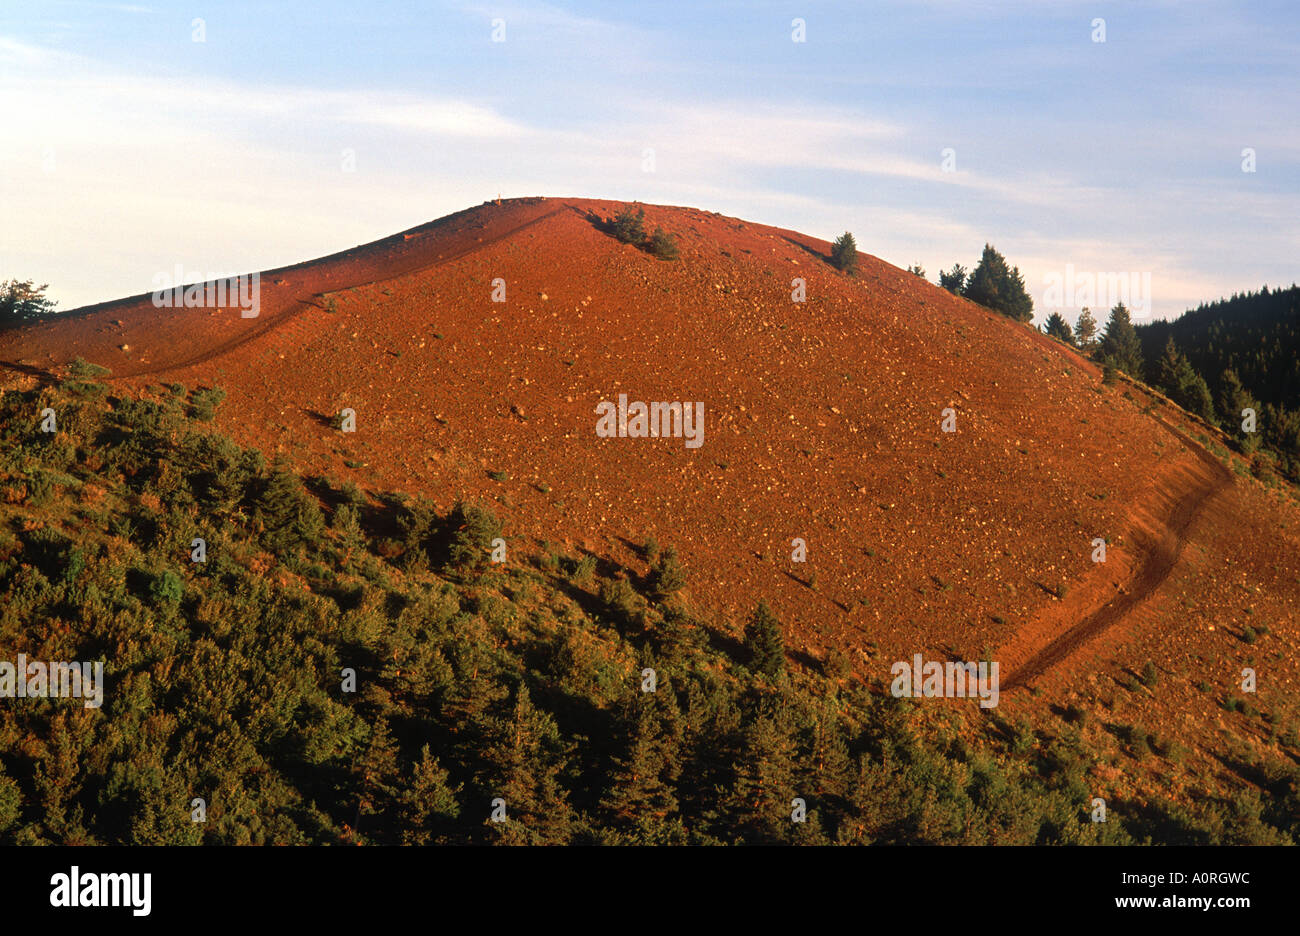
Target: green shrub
(584,570)
(620,600)
(836,664)
(472,530)
(666,576)
(40,489)
(663,245)
(82,368)
(1138,740)
(628,227)
(166,586)
(205,402)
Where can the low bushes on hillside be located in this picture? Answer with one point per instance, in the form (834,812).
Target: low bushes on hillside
(628,227)
(374,679)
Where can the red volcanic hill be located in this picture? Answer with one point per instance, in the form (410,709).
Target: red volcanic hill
(822,421)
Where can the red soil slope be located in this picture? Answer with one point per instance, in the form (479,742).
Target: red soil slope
(822,421)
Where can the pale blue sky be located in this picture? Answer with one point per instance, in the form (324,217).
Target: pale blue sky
(130,148)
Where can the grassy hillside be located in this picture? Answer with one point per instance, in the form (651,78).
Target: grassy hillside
(475,681)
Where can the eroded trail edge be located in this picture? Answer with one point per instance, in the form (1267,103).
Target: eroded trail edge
(1160,534)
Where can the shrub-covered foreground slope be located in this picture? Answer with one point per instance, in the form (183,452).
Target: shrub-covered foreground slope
(521,682)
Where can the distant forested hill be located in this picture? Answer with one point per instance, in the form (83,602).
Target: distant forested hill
(1256,334)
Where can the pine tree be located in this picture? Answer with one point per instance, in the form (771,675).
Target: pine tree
(1233,398)
(1059,328)
(1197,397)
(1232,401)
(628,227)
(1169,369)
(428,802)
(1120,346)
(1085,331)
(760,800)
(22,300)
(844,253)
(378,775)
(351,538)
(764,643)
(470,532)
(996,286)
(524,755)
(1182,384)
(826,770)
(917,270)
(477,689)
(639,789)
(954,280)
(221,473)
(289,516)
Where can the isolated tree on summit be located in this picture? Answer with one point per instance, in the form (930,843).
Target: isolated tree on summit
(1059,328)
(996,286)
(1120,346)
(844,253)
